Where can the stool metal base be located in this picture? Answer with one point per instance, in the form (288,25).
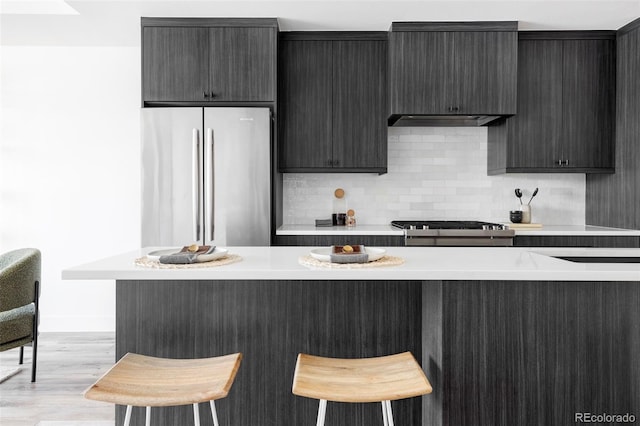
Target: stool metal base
(196,415)
(387,413)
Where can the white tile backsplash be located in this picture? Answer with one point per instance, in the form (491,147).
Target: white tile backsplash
(435,173)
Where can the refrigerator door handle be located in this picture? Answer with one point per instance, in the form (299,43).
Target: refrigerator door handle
(195,184)
(209,188)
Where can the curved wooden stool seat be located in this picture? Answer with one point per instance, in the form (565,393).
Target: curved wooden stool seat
(139,380)
(381,379)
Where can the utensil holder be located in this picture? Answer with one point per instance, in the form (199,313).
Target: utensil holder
(526,213)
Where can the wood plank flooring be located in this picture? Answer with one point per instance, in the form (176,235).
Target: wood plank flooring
(68,363)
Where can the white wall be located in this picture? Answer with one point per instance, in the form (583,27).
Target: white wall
(69,169)
(435,173)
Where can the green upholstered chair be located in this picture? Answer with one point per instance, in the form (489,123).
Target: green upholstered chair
(19,293)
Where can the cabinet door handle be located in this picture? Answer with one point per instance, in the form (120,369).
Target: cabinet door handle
(336,162)
(213,95)
(205,95)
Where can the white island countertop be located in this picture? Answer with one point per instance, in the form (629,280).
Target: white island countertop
(546,230)
(420,263)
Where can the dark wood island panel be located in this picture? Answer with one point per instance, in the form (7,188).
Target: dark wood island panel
(498,353)
(270,322)
(530,353)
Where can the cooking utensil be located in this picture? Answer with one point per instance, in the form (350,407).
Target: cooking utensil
(532,195)
(519,194)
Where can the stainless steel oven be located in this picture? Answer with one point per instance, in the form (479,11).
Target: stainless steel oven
(455,233)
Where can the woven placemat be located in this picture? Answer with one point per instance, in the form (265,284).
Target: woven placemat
(228,259)
(382,262)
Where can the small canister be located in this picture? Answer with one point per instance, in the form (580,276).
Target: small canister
(351,218)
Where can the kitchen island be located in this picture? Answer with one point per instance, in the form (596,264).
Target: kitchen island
(507,336)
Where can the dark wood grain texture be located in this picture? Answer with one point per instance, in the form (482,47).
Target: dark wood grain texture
(535,353)
(332,105)
(455,26)
(328,240)
(631,26)
(484,78)
(242,64)
(419,66)
(614,200)
(568,35)
(521,137)
(588,97)
(174,64)
(203,61)
(452,72)
(210,22)
(305,104)
(334,35)
(359,104)
(270,323)
(565,108)
(433,341)
(576,241)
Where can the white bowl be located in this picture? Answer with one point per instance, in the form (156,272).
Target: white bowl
(324,254)
(218,252)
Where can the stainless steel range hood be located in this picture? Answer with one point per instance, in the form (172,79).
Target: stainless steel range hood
(441,120)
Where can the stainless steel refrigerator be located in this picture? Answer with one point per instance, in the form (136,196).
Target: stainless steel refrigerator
(206,176)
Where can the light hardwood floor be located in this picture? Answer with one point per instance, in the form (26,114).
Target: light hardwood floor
(68,363)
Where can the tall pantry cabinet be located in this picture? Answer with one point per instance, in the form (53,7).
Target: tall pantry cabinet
(614,200)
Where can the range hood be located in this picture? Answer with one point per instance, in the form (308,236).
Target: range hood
(452,73)
(441,120)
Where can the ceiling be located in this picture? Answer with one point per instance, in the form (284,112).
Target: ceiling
(117,22)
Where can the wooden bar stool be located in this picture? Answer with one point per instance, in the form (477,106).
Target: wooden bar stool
(144,381)
(383,379)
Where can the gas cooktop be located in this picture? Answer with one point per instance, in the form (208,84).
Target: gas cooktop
(445,224)
(454,233)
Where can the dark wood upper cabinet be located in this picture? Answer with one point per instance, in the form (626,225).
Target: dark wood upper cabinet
(305,104)
(484,80)
(588,98)
(457,68)
(566,95)
(209,60)
(359,104)
(175,63)
(242,64)
(332,102)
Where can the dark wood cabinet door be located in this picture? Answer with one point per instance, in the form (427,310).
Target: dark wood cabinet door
(359,104)
(588,93)
(484,75)
(305,105)
(566,95)
(242,63)
(535,131)
(419,72)
(174,63)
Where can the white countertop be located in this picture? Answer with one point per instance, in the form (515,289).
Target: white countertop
(579,230)
(421,263)
(339,230)
(391,230)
